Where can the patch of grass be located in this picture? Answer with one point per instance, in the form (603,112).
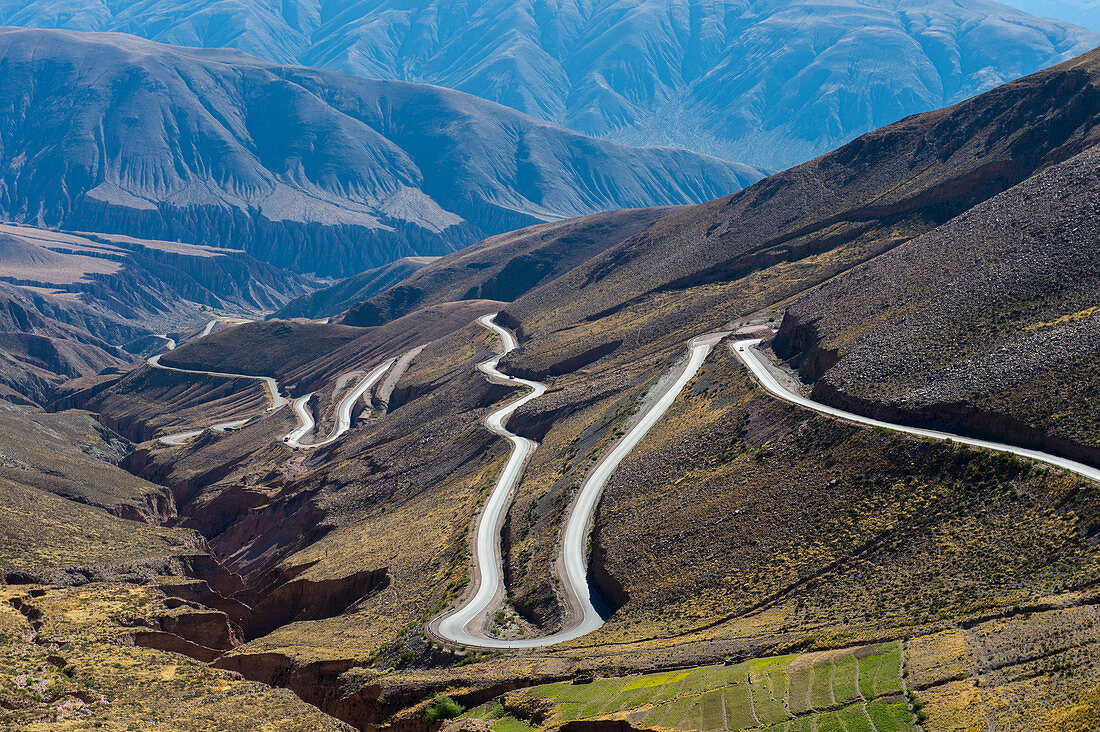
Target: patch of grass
(845,678)
(761,693)
(442,707)
(821,696)
(888,675)
(890,716)
(509,723)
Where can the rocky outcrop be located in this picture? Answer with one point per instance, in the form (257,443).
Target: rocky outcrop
(208,628)
(196,592)
(154,508)
(798,342)
(305,599)
(171,643)
(359,696)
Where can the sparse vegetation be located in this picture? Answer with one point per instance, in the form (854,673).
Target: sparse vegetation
(442,707)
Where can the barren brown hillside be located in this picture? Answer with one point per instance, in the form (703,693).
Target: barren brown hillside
(740,529)
(988,323)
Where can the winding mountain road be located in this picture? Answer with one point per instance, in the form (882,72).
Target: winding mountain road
(751,356)
(343,411)
(276,398)
(271,387)
(305,420)
(464,625)
(488,563)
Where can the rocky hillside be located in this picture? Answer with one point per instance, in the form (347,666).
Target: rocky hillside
(337,298)
(989,324)
(309,170)
(505,266)
(819,219)
(771,82)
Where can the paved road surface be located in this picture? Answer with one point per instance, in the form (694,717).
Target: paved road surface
(464,625)
(343,411)
(271,388)
(752,358)
(488,564)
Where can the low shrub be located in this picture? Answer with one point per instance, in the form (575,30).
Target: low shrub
(442,707)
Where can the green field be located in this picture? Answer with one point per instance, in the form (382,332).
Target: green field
(856,690)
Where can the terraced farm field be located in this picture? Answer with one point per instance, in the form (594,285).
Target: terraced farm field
(851,690)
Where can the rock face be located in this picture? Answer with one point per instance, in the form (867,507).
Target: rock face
(310,170)
(304,599)
(771,82)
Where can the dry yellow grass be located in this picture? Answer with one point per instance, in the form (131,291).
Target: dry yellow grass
(77,672)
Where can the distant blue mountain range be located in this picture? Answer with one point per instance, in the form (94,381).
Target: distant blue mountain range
(308,169)
(767,82)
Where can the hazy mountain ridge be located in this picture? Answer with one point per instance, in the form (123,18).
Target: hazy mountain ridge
(341,295)
(770,82)
(70,304)
(306,169)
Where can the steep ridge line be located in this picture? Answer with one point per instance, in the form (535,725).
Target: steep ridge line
(573,557)
(343,411)
(747,353)
(271,387)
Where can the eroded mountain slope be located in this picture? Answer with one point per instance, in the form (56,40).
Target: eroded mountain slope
(338,297)
(506,266)
(988,323)
(773,82)
(74,305)
(310,170)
